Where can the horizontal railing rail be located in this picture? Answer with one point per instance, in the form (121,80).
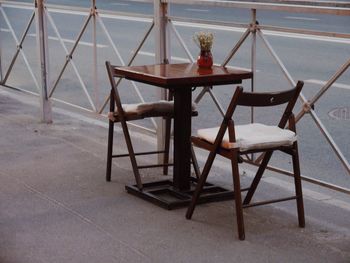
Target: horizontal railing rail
(330,8)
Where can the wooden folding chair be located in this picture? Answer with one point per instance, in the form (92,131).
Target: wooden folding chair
(233,141)
(130,112)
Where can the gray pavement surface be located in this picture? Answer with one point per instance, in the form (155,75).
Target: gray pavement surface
(55,205)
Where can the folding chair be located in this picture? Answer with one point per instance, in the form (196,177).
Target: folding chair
(233,141)
(130,112)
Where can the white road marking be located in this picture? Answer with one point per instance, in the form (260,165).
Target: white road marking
(64,40)
(150,54)
(302,18)
(123,4)
(186,60)
(241,68)
(89,44)
(266,32)
(117,17)
(197,10)
(9,5)
(322,83)
(80,42)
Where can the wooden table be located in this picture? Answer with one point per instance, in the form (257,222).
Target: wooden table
(180,78)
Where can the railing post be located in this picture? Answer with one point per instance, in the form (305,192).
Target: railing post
(1,76)
(253,55)
(253,61)
(161,56)
(94,41)
(43,54)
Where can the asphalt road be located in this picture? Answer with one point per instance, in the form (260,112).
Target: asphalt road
(313,60)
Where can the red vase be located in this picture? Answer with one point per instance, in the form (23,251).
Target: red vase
(205,59)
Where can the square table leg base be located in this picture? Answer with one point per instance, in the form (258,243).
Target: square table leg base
(163,194)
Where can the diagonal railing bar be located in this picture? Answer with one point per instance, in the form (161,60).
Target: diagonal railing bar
(108,97)
(135,53)
(329,83)
(330,140)
(207,89)
(109,38)
(307,108)
(182,43)
(204,89)
(137,50)
(69,58)
(305,178)
(280,63)
(189,55)
(19,47)
(275,56)
(114,47)
(201,94)
(236,47)
(217,103)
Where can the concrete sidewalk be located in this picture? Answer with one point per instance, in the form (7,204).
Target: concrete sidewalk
(55,205)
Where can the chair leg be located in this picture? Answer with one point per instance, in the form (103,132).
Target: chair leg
(195,163)
(238,196)
(132,155)
(298,188)
(200,184)
(109,151)
(166,145)
(257,178)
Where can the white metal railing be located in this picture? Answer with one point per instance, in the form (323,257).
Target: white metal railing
(163,25)
(256,30)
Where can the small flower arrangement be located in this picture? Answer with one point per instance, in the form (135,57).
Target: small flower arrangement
(204,40)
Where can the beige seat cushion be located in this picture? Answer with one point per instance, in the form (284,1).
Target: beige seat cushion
(161,106)
(252,137)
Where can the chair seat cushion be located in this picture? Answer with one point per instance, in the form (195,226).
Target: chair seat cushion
(154,109)
(254,136)
(141,108)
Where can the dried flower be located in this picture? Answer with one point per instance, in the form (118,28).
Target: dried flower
(204,40)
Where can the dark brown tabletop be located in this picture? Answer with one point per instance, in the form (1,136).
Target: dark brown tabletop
(180,78)
(183,75)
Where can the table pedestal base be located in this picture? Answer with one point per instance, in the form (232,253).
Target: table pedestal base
(163,193)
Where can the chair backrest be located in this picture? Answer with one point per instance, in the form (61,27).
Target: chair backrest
(253,99)
(114,97)
(267,99)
